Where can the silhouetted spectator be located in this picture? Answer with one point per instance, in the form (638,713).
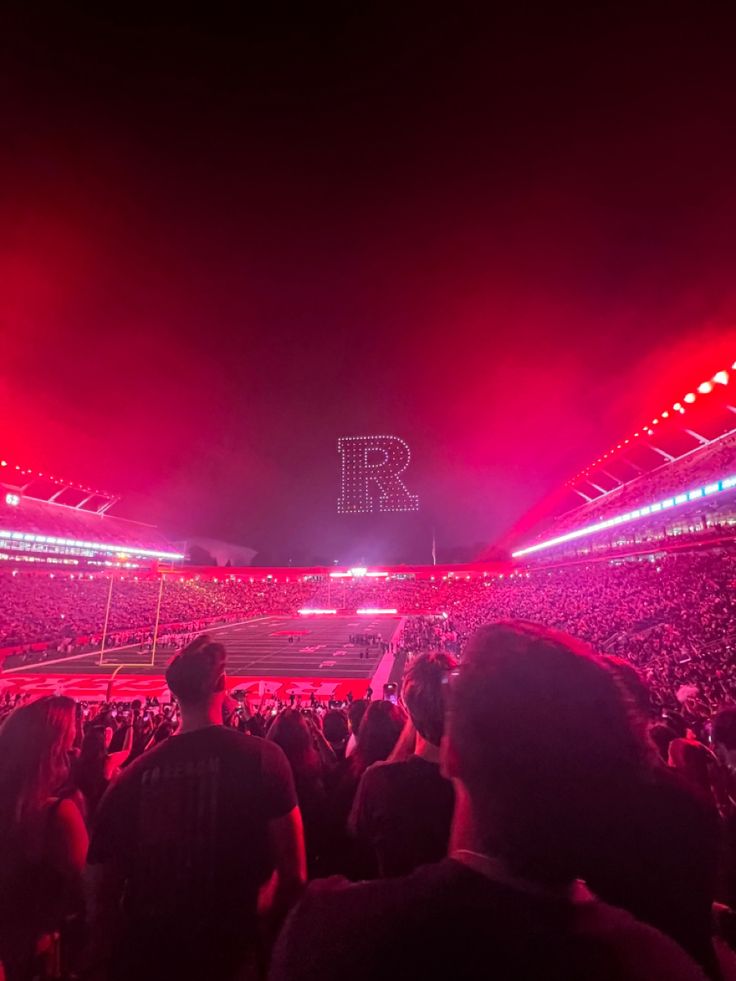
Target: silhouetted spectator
(403,809)
(43,840)
(293,733)
(189,834)
(537,738)
(336,732)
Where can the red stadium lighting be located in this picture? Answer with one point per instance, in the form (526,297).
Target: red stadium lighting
(309,611)
(714,487)
(705,388)
(370,611)
(96,546)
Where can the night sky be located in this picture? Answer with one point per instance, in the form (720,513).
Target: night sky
(225,243)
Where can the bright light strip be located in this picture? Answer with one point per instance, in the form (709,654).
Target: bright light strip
(369,611)
(308,611)
(714,487)
(96,546)
(359,573)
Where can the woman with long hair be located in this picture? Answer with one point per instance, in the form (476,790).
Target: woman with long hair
(379,733)
(293,733)
(43,840)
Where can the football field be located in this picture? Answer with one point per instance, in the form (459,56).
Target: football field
(274,653)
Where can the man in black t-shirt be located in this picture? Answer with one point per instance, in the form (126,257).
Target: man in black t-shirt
(403,810)
(537,730)
(187,837)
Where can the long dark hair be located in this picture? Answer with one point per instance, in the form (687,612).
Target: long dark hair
(35,741)
(290,731)
(378,734)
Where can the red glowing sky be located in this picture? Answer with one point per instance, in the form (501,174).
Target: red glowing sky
(225,245)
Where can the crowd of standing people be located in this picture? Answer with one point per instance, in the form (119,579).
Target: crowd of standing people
(520,808)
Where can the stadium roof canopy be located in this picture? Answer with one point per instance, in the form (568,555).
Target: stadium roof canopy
(685,455)
(54,489)
(38,531)
(690,422)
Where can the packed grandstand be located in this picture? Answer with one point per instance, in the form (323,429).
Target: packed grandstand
(643,568)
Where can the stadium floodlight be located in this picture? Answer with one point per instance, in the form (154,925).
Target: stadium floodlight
(721,378)
(359,572)
(714,487)
(690,398)
(369,611)
(309,611)
(705,388)
(133,550)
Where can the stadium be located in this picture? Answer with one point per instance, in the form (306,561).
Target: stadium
(657,508)
(368,493)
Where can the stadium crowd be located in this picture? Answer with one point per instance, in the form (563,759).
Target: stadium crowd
(59,609)
(524,814)
(672,616)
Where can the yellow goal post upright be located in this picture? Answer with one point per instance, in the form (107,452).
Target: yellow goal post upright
(149,663)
